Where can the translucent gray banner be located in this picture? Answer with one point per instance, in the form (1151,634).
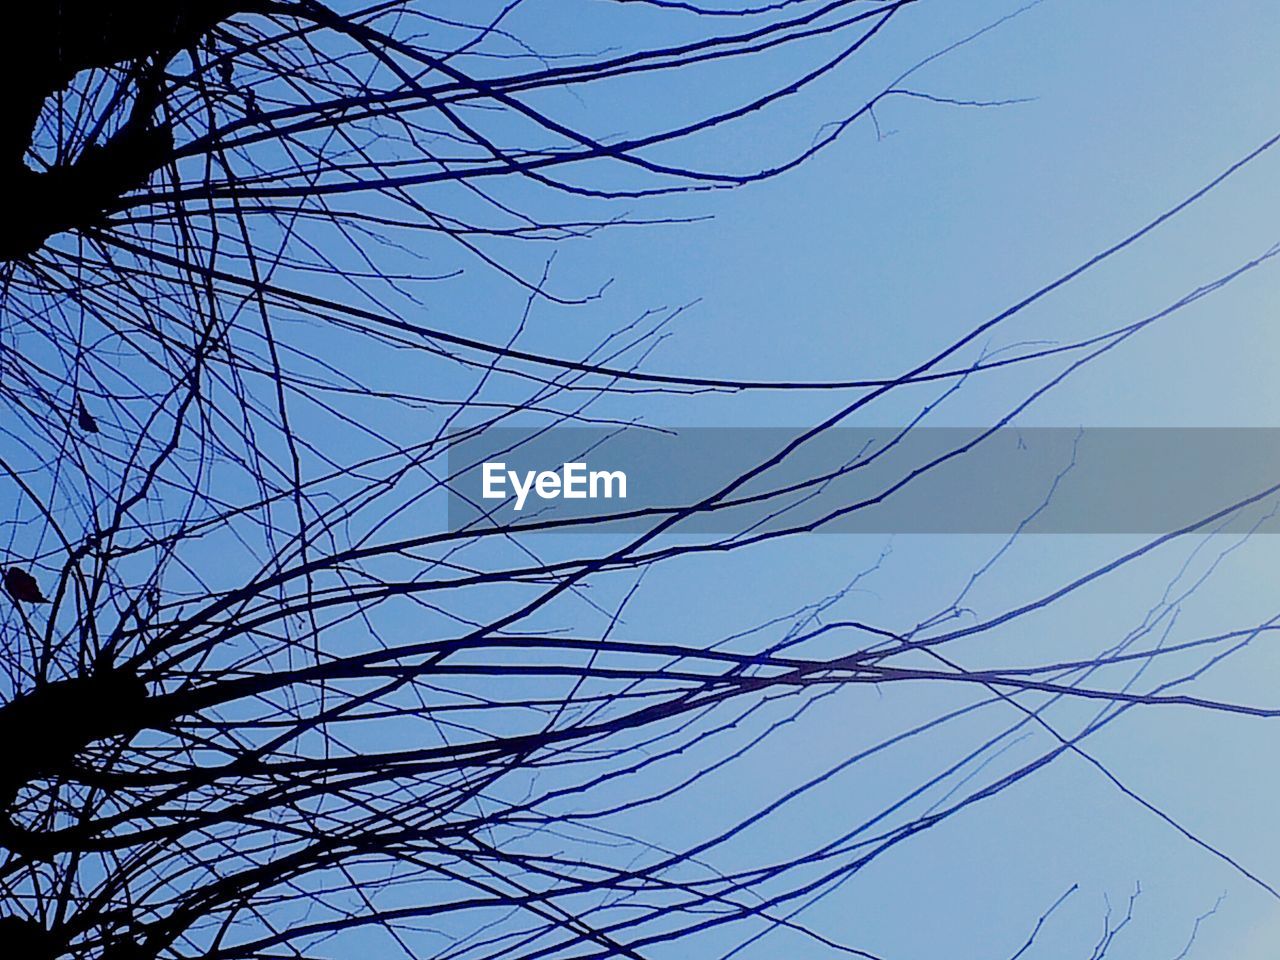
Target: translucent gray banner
(745,482)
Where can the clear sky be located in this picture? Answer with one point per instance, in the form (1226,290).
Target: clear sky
(870,258)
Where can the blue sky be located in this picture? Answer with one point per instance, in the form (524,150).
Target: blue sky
(865,261)
(1027,139)
(868,259)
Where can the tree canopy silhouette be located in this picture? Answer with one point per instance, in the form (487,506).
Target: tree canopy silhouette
(273,708)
